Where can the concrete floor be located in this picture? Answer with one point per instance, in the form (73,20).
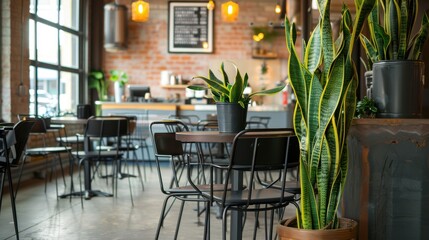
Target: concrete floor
(44,216)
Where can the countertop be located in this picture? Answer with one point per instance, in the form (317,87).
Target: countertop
(178,106)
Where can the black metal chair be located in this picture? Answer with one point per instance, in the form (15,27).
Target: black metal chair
(139,138)
(128,145)
(254,151)
(99,131)
(13,146)
(292,185)
(170,151)
(189,120)
(40,130)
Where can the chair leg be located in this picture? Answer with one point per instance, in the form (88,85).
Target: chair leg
(46,173)
(62,169)
(271,224)
(146,146)
(179,220)
(207,222)
(161,218)
(80,183)
(2,174)
(21,168)
(12,199)
(129,184)
(224,222)
(255,228)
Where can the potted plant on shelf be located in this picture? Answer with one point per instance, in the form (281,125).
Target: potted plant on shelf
(97,82)
(325,84)
(366,108)
(231,102)
(393,55)
(119,78)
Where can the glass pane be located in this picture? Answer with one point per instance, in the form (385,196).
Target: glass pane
(47,43)
(69,92)
(31,90)
(33,6)
(47,92)
(69,14)
(32,40)
(69,45)
(48,9)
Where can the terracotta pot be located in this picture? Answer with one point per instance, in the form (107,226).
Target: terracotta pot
(287,230)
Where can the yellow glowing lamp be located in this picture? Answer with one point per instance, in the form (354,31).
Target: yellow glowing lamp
(278,9)
(210,5)
(229,11)
(140,11)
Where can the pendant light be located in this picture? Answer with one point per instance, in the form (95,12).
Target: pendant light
(140,11)
(229,11)
(210,5)
(278,8)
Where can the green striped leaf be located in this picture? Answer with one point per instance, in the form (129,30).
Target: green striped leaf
(420,39)
(237,88)
(313,52)
(403,30)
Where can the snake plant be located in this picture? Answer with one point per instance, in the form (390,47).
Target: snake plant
(390,25)
(325,84)
(225,91)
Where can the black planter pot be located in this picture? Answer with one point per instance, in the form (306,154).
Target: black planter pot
(397,88)
(231,117)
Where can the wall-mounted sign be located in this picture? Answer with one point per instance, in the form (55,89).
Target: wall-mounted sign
(190,27)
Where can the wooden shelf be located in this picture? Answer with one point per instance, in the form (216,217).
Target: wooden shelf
(178,86)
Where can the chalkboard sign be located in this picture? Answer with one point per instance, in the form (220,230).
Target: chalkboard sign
(190,27)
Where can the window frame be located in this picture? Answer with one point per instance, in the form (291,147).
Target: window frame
(80,70)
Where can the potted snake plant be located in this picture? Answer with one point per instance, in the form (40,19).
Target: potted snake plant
(325,84)
(231,102)
(393,55)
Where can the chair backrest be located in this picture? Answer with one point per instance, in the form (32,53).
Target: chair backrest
(16,142)
(132,121)
(261,150)
(39,126)
(293,153)
(142,125)
(166,147)
(258,122)
(22,131)
(207,125)
(187,119)
(101,128)
(164,137)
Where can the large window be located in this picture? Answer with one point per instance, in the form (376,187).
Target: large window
(56,53)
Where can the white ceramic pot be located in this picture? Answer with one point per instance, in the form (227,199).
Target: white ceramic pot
(119,92)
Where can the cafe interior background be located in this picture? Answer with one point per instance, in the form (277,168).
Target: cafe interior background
(54,50)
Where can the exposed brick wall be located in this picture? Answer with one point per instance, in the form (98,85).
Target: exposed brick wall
(147,54)
(11,102)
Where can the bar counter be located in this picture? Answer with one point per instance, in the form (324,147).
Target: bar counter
(387,188)
(280,116)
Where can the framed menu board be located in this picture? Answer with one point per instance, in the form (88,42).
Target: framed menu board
(190,27)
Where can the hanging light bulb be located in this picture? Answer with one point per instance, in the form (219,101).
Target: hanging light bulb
(229,11)
(210,5)
(140,11)
(278,9)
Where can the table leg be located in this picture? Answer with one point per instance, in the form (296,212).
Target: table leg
(236,216)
